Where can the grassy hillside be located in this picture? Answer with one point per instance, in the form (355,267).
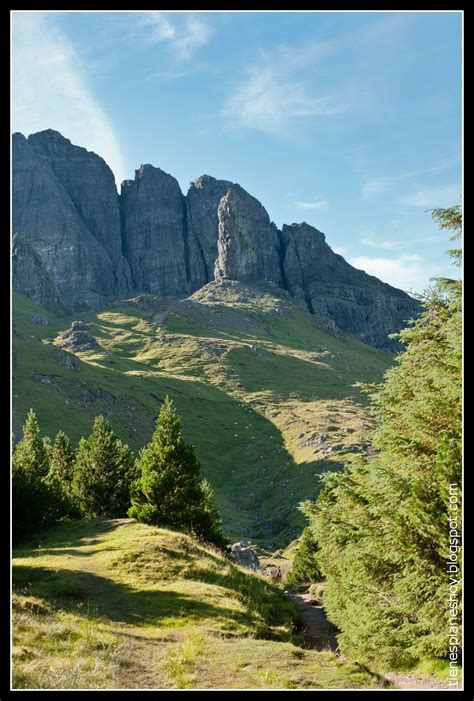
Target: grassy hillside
(256,380)
(116,604)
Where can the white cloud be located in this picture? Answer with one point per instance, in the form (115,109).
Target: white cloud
(271,94)
(378,186)
(183,32)
(434,197)
(371,188)
(369,241)
(408,272)
(50,90)
(316,204)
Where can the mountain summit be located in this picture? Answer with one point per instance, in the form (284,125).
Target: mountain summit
(77,244)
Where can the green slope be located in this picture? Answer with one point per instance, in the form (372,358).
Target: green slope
(116,604)
(249,372)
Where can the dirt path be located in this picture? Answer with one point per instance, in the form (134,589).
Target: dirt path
(319,631)
(321,635)
(414,681)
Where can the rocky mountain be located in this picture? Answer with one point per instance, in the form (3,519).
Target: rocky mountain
(79,245)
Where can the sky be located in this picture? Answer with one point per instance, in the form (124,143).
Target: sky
(351,122)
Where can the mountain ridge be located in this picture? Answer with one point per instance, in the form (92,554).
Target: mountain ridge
(78,244)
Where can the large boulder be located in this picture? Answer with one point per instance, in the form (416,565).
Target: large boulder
(77,338)
(243,555)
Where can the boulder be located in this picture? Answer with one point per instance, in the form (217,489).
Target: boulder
(243,555)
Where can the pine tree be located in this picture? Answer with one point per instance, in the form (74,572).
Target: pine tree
(62,457)
(382,524)
(169,491)
(305,568)
(38,498)
(31,453)
(103,472)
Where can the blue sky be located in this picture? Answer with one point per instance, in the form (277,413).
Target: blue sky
(349,121)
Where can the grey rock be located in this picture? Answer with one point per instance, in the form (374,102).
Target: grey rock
(58,192)
(243,555)
(248,244)
(78,245)
(31,276)
(68,361)
(154,235)
(358,303)
(202,200)
(77,338)
(91,185)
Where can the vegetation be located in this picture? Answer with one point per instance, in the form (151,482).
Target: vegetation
(118,604)
(305,568)
(39,497)
(169,491)
(63,458)
(383,524)
(248,372)
(51,482)
(103,472)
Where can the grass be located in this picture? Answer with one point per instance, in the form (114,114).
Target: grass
(252,376)
(116,604)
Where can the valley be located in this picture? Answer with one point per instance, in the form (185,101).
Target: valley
(265,392)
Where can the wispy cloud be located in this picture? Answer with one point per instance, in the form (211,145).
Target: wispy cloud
(374,243)
(378,186)
(315,204)
(50,89)
(272,92)
(371,188)
(408,272)
(434,197)
(276,90)
(185,33)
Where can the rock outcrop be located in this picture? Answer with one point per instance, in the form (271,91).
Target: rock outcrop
(243,555)
(248,245)
(203,199)
(358,303)
(154,234)
(77,338)
(65,210)
(77,244)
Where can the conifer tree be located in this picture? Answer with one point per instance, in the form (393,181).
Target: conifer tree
(305,568)
(31,453)
(103,472)
(38,498)
(62,458)
(382,524)
(169,491)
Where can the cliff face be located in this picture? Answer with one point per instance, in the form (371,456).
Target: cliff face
(359,303)
(203,200)
(65,209)
(248,244)
(77,243)
(153,228)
